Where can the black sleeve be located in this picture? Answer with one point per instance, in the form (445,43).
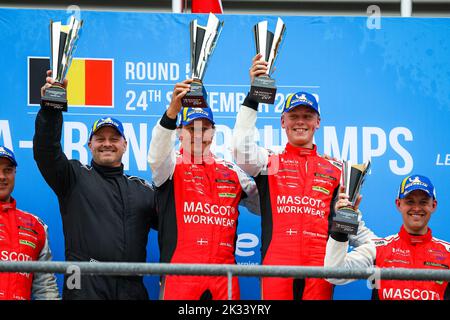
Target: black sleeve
(167,122)
(249,102)
(47,151)
(154,220)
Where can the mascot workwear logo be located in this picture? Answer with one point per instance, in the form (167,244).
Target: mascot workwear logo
(14,256)
(410,294)
(91,82)
(212,214)
(301,205)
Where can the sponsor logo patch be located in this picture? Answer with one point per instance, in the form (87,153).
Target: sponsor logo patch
(28,229)
(396,261)
(227,195)
(321,189)
(225,181)
(324,176)
(27,243)
(435,264)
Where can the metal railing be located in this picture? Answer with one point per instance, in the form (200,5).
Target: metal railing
(133,269)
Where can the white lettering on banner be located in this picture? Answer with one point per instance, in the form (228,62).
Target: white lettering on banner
(225,101)
(407,294)
(163,71)
(246,241)
(367,134)
(406,156)
(80,145)
(446,161)
(272,137)
(143,100)
(139,149)
(350,145)
(5,133)
(188,71)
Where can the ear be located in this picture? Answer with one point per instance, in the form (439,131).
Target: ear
(125,145)
(434,204)
(397,203)
(180,136)
(318,123)
(282,121)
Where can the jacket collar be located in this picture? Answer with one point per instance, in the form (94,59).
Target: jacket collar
(415,239)
(5,206)
(301,151)
(108,171)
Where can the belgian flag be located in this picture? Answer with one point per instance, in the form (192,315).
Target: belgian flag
(90,81)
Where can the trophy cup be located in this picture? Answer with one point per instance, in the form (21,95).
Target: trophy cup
(263,88)
(203,42)
(346,219)
(63,40)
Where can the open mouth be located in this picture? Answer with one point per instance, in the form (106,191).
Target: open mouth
(416,215)
(300,130)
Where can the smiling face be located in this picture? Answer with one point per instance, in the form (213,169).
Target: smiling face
(300,125)
(108,146)
(416,209)
(196,137)
(7,179)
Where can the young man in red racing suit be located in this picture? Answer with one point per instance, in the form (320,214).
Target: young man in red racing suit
(23,237)
(412,247)
(296,188)
(197,198)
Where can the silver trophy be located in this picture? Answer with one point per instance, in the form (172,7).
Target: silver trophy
(63,39)
(267,44)
(347,219)
(203,43)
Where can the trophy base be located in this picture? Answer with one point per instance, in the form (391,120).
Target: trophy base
(55,98)
(196,97)
(345,221)
(263,89)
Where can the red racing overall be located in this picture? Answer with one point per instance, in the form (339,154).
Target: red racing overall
(197,207)
(297,188)
(22,237)
(404,250)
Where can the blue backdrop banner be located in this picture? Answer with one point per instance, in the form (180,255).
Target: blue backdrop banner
(383,88)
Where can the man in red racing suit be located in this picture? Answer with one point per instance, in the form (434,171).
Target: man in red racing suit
(413,247)
(23,237)
(296,189)
(197,198)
